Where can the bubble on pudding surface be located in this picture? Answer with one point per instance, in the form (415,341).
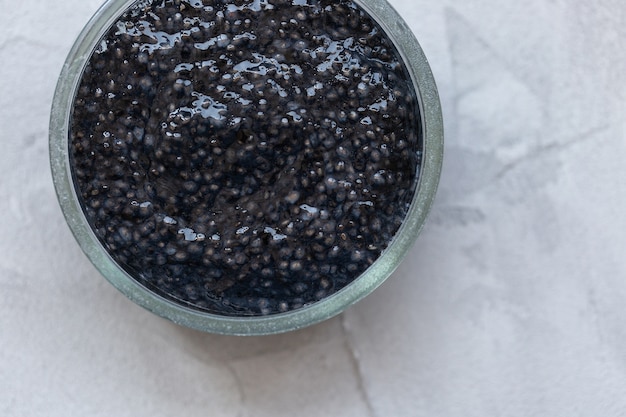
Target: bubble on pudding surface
(245,158)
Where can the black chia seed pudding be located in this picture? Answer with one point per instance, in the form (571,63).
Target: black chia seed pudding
(245,158)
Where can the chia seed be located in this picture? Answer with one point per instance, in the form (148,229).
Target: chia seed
(245,157)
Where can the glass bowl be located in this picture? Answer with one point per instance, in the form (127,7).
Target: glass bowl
(429,172)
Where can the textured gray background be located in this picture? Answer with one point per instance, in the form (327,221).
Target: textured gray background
(512,303)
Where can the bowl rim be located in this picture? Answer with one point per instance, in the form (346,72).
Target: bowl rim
(430,170)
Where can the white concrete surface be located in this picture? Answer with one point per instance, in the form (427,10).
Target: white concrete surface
(512,303)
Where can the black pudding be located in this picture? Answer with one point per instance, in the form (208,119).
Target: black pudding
(245,158)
